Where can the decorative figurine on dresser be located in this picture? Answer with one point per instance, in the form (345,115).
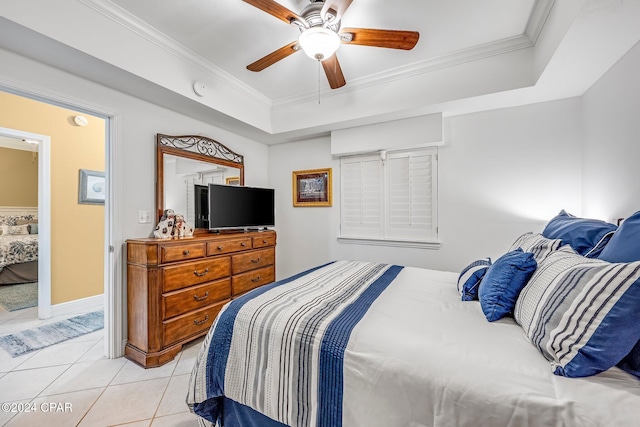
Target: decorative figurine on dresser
(172,225)
(178,280)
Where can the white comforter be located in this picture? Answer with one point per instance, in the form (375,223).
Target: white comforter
(422,357)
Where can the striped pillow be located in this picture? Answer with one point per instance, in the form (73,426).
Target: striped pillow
(537,244)
(470,278)
(581,313)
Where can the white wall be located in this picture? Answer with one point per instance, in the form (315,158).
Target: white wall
(139,121)
(501,173)
(306,235)
(612,141)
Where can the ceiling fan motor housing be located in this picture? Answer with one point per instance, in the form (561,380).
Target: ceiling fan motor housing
(312,15)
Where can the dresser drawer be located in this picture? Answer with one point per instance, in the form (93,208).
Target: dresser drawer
(264,241)
(192,273)
(189,324)
(252,260)
(195,297)
(228,246)
(244,282)
(173,253)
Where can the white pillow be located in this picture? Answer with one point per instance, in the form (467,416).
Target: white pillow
(14,230)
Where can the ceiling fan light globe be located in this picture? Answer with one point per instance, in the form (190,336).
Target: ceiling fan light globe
(319,43)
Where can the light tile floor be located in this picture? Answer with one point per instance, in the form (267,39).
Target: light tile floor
(97,391)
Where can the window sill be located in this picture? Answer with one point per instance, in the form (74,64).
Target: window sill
(387,242)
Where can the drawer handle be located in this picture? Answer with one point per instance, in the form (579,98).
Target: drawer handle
(264,241)
(206,270)
(200,322)
(197,298)
(185,253)
(255,261)
(256,279)
(220,247)
(243,244)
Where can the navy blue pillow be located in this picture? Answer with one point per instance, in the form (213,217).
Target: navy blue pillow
(631,362)
(470,278)
(586,236)
(624,246)
(501,285)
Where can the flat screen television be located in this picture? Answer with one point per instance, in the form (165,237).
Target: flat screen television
(234,207)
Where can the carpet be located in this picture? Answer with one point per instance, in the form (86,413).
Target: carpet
(53,333)
(17,297)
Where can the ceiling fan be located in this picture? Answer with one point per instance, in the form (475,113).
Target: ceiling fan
(321,35)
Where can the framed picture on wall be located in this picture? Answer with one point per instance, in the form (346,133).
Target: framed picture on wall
(91,189)
(312,187)
(232,180)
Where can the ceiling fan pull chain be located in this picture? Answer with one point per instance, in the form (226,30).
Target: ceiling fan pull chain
(318,81)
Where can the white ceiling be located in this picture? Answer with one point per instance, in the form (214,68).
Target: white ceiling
(232,34)
(472,56)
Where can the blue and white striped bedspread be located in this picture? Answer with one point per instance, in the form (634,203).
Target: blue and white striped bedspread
(280,348)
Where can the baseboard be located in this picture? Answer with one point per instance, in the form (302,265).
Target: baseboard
(83,304)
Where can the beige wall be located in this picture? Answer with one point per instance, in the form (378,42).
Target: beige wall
(18,178)
(77,231)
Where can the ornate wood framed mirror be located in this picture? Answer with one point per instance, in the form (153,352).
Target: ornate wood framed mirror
(185,165)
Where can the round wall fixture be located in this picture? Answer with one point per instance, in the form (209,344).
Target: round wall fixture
(80,120)
(199,88)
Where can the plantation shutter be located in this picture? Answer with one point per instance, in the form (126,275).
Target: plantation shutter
(361,197)
(410,195)
(390,197)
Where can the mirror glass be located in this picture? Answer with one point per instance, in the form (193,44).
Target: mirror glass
(185,165)
(184,182)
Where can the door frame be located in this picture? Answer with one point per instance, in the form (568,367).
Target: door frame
(44,215)
(113,241)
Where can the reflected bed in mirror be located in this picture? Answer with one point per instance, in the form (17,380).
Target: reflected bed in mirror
(187,164)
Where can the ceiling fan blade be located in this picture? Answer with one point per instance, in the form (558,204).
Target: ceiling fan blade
(275,9)
(335,8)
(334,72)
(274,57)
(392,39)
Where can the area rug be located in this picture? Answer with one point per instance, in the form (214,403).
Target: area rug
(46,335)
(17,297)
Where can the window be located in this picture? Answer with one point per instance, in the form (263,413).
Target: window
(390,197)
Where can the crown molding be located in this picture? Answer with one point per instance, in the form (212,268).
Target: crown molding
(459,57)
(148,32)
(538,18)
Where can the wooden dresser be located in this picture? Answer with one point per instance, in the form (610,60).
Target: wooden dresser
(176,287)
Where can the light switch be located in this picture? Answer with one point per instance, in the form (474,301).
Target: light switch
(144,217)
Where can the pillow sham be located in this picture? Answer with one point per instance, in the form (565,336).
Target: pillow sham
(586,236)
(537,244)
(501,285)
(470,278)
(624,246)
(581,313)
(14,230)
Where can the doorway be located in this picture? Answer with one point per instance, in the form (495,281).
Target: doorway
(43,211)
(110,296)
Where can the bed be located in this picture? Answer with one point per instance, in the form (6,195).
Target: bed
(18,249)
(355,343)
